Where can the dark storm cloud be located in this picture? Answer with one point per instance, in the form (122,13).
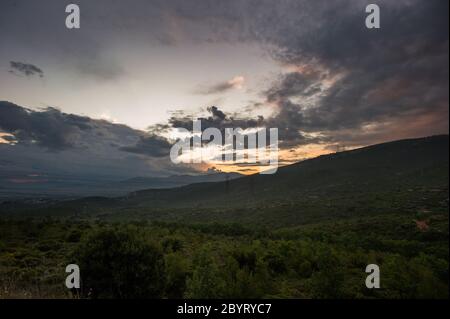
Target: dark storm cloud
(285,120)
(386,74)
(57,131)
(151,145)
(49,128)
(216,119)
(25,69)
(52,142)
(361,83)
(294,84)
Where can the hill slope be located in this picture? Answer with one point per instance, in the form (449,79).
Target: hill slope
(407,176)
(415,163)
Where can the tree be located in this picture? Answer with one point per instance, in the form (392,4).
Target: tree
(177,271)
(206,281)
(120,264)
(327,282)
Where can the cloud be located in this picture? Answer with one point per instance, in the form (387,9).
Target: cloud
(216,119)
(351,84)
(235,83)
(286,121)
(346,77)
(385,76)
(49,141)
(56,131)
(26,69)
(49,128)
(344,83)
(151,145)
(294,84)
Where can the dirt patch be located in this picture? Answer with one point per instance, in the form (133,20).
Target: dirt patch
(422,225)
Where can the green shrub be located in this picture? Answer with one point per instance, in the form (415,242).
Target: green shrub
(177,272)
(74,236)
(120,264)
(172,244)
(206,280)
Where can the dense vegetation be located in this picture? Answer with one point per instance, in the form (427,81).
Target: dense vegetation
(153,260)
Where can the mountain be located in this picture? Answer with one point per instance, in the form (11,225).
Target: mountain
(31,185)
(139,183)
(407,163)
(406,176)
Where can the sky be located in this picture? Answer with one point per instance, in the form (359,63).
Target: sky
(107,99)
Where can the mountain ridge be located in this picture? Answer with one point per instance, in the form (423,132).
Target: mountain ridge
(399,177)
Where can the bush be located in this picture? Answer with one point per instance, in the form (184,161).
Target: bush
(172,244)
(244,283)
(275,263)
(120,264)
(177,272)
(328,281)
(409,279)
(206,280)
(245,258)
(74,236)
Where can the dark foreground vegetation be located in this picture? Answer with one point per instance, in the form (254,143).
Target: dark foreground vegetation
(164,260)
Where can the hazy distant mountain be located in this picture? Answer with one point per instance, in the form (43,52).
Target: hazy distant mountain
(14,185)
(139,183)
(407,176)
